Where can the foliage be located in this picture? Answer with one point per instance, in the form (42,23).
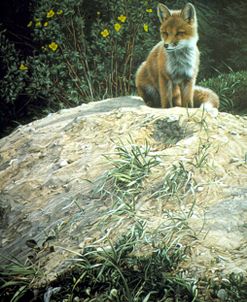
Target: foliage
(230,288)
(201,156)
(236,44)
(13,79)
(113,273)
(67,69)
(16,280)
(119,35)
(130,168)
(15,71)
(177,181)
(223,42)
(231,88)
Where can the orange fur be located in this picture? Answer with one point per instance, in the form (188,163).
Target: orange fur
(167,77)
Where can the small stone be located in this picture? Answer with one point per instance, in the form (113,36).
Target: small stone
(63,163)
(222,294)
(172,118)
(31,129)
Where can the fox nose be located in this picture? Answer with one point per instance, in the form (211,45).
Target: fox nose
(166,45)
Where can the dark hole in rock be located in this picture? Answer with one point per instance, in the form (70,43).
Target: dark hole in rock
(170,130)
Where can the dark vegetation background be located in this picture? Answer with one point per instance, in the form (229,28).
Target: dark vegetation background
(59,54)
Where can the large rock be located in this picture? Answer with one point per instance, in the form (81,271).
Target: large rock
(48,170)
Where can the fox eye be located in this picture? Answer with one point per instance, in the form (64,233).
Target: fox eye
(180,33)
(165,33)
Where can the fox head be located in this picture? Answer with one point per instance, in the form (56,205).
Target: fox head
(179,27)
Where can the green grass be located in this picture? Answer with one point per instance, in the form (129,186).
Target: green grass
(115,273)
(201,156)
(16,280)
(232,90)
(176,183)
(131,165)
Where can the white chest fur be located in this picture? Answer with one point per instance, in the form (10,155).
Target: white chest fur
(181,63)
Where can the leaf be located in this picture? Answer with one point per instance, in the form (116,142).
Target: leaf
(148,296)
(20,292)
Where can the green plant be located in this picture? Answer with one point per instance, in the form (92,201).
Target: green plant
(130,168)
(229,288)
(236,45)
(115,273)
(14,69)
(56,75)
(176,183)
(120,39)
(58,69)
(73,62)
(201,156)
(67,69)
(16,280)
(231,88)
(221,52)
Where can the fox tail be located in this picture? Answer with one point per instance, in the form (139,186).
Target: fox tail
(205,97)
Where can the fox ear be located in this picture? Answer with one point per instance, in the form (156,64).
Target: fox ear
(163,12)
(189,13)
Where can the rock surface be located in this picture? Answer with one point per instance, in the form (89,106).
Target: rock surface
(48,170)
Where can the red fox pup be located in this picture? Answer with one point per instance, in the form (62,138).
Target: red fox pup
(167,78)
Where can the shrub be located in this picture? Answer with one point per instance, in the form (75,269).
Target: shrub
(57,68)
(14,70)
(74,62)
(12,82)
(119,42)
(232,90)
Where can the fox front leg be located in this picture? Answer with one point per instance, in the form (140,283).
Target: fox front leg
(187,93)
(165,89)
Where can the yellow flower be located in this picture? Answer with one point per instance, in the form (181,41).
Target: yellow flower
(145,27)
(149,10)
(45,24)
(50,14)
(59,12)
(38,24)
(117,27)
(105,33)
(53,46)
(23,67)
(122,18)
(98,13)
(30,24)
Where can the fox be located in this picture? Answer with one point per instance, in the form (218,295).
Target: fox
(168,76)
